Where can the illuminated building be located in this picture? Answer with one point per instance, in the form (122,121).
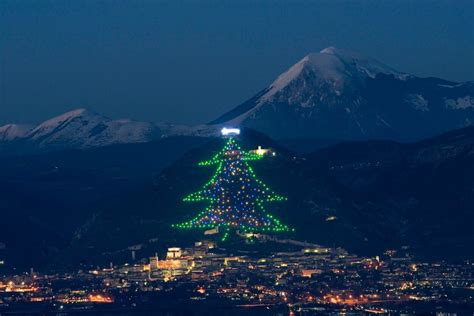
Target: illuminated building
(317,250)
(174,265)
(173,253)
(100,298)
(262,151)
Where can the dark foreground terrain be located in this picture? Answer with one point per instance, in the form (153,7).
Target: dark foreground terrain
(366,196)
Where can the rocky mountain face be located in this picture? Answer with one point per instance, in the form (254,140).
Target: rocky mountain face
(338,94)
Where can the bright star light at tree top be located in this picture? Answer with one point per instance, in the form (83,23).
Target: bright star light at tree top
(226,131)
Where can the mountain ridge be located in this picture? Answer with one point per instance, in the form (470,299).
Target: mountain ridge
(83,128)
(334,94)
(379,194)
(339,94)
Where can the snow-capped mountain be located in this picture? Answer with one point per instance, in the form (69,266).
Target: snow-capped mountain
(338,94)
(76,129)
(82,128)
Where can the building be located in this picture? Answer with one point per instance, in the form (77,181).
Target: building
(263,151)
(174,253)
(175,264)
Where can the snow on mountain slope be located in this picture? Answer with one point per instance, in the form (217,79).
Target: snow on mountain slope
(11,132)
(77,129)
(82,128)
(57,128)
(331,65)
(339,94)
(331,95)
(328,73)
(364,65)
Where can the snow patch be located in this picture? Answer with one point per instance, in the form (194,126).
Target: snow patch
(325,67)
(418,102)
(82,128)
(460,103)
(450,86)
(13,131)
(365,65)
(50,125)
(384,122)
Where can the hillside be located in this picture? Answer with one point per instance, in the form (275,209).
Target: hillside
(364,196)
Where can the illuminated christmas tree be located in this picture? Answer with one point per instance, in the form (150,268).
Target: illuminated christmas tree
(236,197)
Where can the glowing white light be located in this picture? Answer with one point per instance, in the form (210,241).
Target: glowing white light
(260,151)
(230,131)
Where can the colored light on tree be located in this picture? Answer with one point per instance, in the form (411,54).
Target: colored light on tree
(236,196)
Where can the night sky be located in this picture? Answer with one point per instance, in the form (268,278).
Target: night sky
(190,61)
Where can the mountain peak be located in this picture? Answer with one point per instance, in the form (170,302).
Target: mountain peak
(84,128)
(333,65)
(340,94)
(346,56)
(60,121)
(316,78)
(363,64)
(328,50)
(75,113)
(331,50)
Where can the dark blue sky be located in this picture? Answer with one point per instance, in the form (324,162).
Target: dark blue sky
(190,61)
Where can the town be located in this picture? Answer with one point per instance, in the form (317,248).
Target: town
(305,278)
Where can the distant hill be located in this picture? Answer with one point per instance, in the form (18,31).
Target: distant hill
(45,198)
(364,196)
